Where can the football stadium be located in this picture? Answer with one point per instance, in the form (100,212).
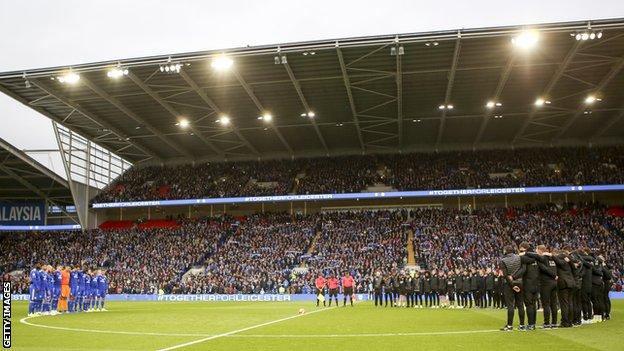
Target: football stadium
(447,189)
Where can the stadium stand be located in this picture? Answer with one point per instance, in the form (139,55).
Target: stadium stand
(266,252)
(416,171)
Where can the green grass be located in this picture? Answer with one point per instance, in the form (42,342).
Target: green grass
(322,330)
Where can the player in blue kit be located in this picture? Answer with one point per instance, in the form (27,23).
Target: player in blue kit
(35,290)
(74,289)
(82,290)
(56,289)
(102,290)
(46,287)
(86,293)
(93,291)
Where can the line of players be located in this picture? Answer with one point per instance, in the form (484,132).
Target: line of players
(575,281)
(64,289)
(463,288)
(421,289)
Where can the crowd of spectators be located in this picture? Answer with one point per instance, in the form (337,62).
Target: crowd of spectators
(200,181)
(359,242)
(451,239)
(136,260)
(282,253)
(258,257)
(346,174)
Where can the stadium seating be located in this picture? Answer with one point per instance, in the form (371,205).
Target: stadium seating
(262,252)
(416,171)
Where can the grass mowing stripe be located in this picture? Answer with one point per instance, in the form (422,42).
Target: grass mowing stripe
(241,330)
(25,321)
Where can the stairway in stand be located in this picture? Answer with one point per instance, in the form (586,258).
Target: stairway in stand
(411,259)
(312,245)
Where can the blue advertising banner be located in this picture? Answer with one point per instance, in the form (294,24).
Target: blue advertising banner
(377,195)
(40,228)
(22,213)
(232,298)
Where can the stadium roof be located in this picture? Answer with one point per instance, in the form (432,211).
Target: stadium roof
(23,178)
(371,94)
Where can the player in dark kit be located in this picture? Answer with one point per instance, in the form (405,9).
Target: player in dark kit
(530,285)
(459,288)
(409,290)
(466,289)
(441,285)
(378,284)
(427,288)
(499,282)
(513,270)
(450,288)
(489,287)
(388,290)
(435,293)
(417,286)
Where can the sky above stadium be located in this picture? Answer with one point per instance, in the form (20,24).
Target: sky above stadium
(41,33)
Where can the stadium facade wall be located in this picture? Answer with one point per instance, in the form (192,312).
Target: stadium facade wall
(310,207)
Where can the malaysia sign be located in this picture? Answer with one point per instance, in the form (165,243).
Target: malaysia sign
(22,213)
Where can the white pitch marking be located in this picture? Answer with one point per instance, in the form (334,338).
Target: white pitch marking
(240,330)
(360,335)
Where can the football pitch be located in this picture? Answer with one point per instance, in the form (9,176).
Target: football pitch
(279,326)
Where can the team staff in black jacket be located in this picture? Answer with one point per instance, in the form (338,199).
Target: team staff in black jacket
(597,294)
(607,276)
(586,284)
(513,270)
(577,297)
(565,283)
(530,284)
(548,284)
